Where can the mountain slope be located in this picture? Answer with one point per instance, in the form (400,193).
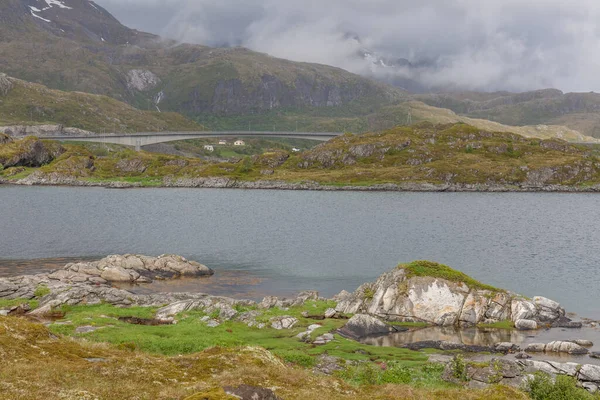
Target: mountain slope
(76,45)
(578,111)
(24,103)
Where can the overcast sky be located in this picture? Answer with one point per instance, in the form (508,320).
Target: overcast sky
(474,44)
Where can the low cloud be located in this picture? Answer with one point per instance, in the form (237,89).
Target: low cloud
(467,44)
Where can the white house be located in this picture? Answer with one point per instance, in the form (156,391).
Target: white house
(222,142)
(239,143)
(209,147)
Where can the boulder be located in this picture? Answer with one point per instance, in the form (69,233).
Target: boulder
(284,322)
(506,347)
(583,342)
(535,348)
(522,309)
(589,373)
(116,274)
(330,313)
(559,346)
(363,325)
(525,324)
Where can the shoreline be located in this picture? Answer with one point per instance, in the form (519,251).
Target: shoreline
(227,183)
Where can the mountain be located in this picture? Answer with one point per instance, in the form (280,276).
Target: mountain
(25,103)
(577,111)
(77,45)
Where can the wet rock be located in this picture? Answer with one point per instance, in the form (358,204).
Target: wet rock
(506,347)
(535,348)
(526,325)
(564,322)
(284,322)
(247,392)
(444,345)
(522,356)
(362,325)
(595,354)
(583,342)
(565,347)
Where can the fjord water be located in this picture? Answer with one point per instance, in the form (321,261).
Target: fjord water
(281,242)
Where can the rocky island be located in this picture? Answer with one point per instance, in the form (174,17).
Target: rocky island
(309,337)
(423,157)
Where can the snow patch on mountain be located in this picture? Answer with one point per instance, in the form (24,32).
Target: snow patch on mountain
(37,16)
(57,3)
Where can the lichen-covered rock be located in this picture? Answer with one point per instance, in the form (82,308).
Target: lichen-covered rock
(399,295)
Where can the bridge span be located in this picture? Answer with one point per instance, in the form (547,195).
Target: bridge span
(138,140)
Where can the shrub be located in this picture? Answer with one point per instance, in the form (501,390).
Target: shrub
(543,387)
(41,291)
(458,367)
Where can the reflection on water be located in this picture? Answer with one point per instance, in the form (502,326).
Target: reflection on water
(236,284)
(469,336)
(489,337)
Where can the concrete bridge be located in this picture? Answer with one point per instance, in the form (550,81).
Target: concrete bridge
(145,138)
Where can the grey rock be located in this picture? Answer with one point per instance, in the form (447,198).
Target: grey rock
(526,324)
(283,322)
(522,356)
(330,313)
(85,329)
(505,347)
(362,325)
(313,327)
(583,342)
(247,392)
(212,323)
(535,348)
(590,387)
(559,346)
(589,373)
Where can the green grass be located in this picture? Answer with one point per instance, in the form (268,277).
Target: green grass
(4,304)
(41,291)
(499,325)
(435,270)
(191,335)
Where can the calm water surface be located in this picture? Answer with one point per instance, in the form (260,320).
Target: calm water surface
(281,242)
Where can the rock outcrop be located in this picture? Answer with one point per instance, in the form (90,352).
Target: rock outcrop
(28,152)
(516,373)
(88,282)
(400,295)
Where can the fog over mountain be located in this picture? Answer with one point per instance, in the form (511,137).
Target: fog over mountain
(462,44)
